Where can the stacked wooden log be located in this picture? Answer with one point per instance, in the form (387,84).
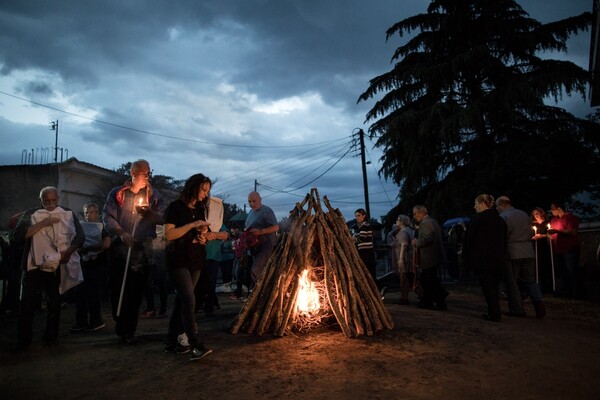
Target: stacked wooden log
(321,242)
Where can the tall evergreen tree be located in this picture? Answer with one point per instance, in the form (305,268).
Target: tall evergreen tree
(464,109)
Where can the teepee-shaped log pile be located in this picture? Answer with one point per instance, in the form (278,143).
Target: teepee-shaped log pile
(320,242)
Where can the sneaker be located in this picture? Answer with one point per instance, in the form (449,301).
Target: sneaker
(78,328)
(199,352)
(177,348)
(96,327)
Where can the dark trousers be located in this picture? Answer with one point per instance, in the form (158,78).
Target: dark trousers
(206,296)
(432,288)
(260,257)
(183,315)
(368,258)
(34,282)
(227,270)
(88,294)
(568,282)
(135,285)
(490,286)
(158,277)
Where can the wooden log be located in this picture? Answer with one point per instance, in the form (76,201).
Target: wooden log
(332,286)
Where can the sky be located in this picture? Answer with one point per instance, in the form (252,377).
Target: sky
(252,93)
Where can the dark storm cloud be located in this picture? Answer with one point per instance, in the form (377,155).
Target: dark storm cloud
(156,67)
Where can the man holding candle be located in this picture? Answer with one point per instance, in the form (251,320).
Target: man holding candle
(131,213)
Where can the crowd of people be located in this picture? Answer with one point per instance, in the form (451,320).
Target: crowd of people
(512,252)
(113,252)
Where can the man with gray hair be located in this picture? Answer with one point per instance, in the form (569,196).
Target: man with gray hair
(51,235)
(262,223)
(430,249)
(520,268)
(130,215)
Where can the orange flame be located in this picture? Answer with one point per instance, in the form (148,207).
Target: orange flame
(308,295)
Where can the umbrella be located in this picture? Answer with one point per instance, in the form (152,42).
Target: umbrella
(238,219)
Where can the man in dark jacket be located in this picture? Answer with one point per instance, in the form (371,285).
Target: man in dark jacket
(431,257)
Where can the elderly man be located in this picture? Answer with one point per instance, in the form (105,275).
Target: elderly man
(520,268)
(431,256)
(137,205)
(261,222)
(51,235)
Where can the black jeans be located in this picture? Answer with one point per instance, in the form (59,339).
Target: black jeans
(183,315)
(432,288)
(490,287)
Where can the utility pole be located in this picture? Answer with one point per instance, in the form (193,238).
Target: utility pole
(54,127)
(255,185)
(361,136)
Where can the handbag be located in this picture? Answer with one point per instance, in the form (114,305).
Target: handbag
(250,240)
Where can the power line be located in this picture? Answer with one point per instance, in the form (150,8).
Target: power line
(160,134)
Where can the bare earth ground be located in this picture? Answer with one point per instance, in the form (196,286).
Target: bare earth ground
(428,355)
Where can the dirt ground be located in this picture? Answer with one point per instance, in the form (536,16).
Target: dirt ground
(429,354)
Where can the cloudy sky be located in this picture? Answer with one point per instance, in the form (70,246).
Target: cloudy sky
(244,91)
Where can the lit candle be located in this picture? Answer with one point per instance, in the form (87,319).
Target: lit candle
(535,230)
(141,207)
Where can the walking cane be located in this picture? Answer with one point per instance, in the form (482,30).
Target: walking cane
(415,263)
(126,267)
(552,261)
(537,276)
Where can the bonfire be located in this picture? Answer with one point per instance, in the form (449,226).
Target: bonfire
(314,277)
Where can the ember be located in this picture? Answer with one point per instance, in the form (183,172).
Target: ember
(289,296)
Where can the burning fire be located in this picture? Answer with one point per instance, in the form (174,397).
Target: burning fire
(308,295)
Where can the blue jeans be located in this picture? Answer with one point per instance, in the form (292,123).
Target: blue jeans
(183,315)
(520,283)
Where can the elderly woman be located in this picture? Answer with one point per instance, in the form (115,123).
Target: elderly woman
(539,224)
(404,252)
(485,252)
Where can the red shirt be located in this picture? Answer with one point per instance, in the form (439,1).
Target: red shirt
(564,243)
